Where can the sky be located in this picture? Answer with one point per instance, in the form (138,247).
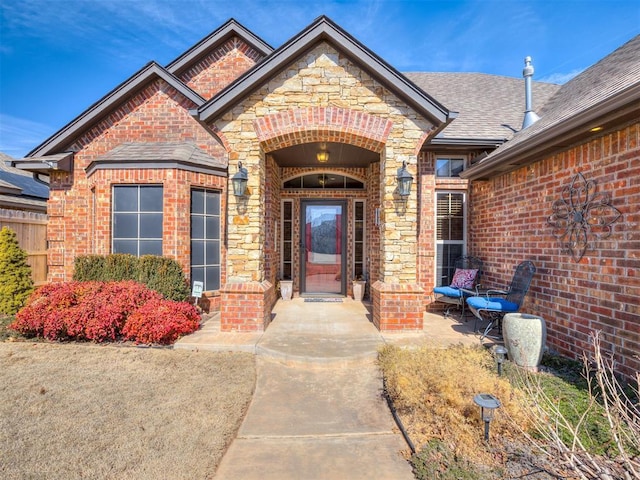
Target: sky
(59,57)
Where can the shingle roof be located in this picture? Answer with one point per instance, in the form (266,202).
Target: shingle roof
(22,181)
(489,106)
(610,89)
(160,153)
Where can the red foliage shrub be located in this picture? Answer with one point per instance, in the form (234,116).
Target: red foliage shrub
(81,310)
(161,321)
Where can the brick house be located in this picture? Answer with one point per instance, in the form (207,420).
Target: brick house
(322,128)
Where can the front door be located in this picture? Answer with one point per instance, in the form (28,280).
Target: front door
(323,247)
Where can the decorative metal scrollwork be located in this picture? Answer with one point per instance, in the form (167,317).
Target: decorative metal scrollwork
(580,215)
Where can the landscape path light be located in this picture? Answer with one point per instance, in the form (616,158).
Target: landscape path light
(500,354)
(487,403)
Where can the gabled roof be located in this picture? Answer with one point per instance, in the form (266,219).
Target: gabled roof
(323,29)
(230,29)
(110,101)
(490,107)
(604,95)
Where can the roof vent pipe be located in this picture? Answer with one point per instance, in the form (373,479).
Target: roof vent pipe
(530,116)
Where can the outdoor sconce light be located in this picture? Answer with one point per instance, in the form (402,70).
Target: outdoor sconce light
(500,353)
(240,180)
(405,179)
(487,403)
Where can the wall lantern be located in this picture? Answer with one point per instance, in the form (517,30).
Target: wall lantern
(405,179)
(240,180)
(487,403)
(322,156)
(500,353)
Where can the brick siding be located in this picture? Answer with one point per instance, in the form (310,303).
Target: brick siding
(508,216)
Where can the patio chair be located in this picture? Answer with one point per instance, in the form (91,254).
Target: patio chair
(495,304)
(468,271)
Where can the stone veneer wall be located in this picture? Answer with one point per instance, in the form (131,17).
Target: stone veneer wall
(324,83)
(601,292)
(323,96)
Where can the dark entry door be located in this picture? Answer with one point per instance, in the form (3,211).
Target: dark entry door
(323,247)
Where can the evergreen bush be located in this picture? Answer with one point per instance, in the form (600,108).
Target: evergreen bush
(120,266)
(162,274)
(89,268)
(16,283)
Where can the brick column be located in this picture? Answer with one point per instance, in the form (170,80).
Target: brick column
(397,307)
(246,307)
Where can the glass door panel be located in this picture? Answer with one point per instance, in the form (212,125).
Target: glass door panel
(323,252)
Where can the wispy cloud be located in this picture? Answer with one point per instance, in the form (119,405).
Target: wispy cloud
(560,78)
(19,136)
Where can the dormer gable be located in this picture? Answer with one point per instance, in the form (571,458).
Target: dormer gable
(219,58)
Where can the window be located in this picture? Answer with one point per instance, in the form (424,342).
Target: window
(358,239)
(205,238)
(324,180)
(287,240)
(450,234)
(449,167)
(137,219)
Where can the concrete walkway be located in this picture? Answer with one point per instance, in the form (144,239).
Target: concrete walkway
(318,410)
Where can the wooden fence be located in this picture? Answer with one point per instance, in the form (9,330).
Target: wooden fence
(31,230)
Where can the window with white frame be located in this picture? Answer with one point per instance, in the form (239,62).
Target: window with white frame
(450,233)
(449,166)
(205,238)
(137,219)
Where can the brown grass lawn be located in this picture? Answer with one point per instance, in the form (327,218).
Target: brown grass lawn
(72,411)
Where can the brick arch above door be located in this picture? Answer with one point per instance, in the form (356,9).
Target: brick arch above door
(322,124)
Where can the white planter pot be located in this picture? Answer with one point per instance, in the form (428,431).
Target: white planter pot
(286,289)
(358,290)
(525,337)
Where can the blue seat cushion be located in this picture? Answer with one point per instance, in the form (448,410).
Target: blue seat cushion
(448,291)
(492,303)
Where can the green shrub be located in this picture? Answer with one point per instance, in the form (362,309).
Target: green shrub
(120,266)
(89,268)
(162,274)
(16,283)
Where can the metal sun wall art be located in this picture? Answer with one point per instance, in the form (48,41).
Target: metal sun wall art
(581,215)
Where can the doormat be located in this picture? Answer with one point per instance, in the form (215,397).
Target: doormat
(327,300)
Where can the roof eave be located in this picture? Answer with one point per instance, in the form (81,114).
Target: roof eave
(46,164)
(438,142)
(61,138)
(325,29)
(192,166)
(557,137)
